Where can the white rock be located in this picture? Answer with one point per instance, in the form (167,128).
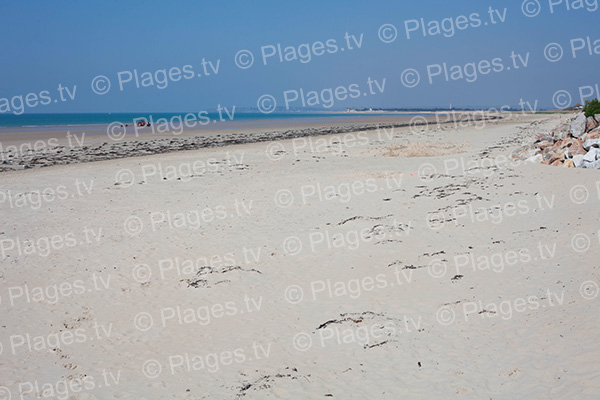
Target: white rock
(529,153)
(578,125)
(537,159)
(578,160)
(592,165)
(591,143)
(591,155)
(561,135)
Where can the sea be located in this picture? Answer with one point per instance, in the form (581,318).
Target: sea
(34,122)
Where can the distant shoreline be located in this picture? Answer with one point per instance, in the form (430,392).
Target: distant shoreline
(98,121)
(93,120)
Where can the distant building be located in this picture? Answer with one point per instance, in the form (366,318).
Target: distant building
(578,106)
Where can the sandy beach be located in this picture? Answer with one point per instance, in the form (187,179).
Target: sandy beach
(22,148)
(399,262)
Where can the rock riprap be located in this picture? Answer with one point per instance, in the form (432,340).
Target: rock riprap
(575,143)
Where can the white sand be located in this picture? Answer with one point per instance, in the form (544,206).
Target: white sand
(385,342)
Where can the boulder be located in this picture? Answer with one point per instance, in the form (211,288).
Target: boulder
(548,156)
(569,164)
(571,147)
(592,165)
(591,143)
(537,159)
(544,144)
(562,153)
(577,127)
(526,154)
(578,160)
(561,132)
(591,155)
(517,152)
(576,147)
(591,124)
(561,135)
(556,160)
(595,134)
(543,138)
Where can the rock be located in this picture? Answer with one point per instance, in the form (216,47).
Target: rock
(595,134)
(591,143)
(591,124)
(591,155)
(526,154)
(575,147)
(578,148)
(562,153)
(577,127)
(562,132)
(544,143)
(537,159)
(555,147)
(544,138)
(517,152)
(592,165)
(561,135)
(548,156)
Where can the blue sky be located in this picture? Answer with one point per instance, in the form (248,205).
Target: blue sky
(46,43)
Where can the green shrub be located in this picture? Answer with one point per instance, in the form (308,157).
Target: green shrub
(591,108)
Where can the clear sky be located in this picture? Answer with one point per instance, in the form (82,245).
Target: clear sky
(47,43)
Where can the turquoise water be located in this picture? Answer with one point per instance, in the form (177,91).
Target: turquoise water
(50,120)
